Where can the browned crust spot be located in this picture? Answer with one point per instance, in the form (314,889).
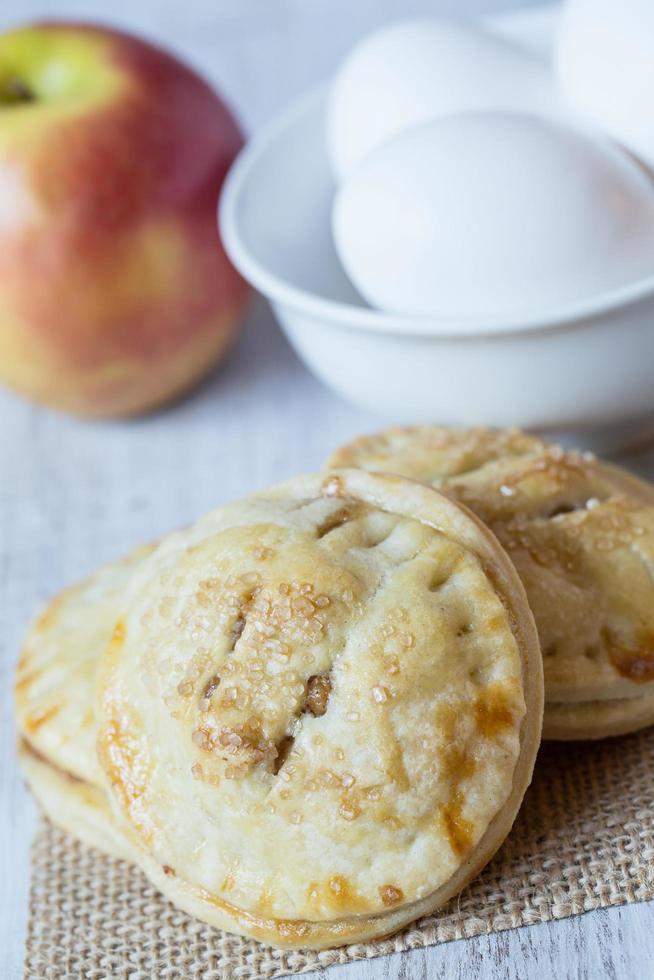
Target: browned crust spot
(25,680)
(458,830)
(40,717)
(336,893)
(340,895)
(126,765)
(637,665)
(51,611)
(119,634)
(391,895)
(493,713)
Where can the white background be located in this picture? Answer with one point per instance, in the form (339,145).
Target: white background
(73,494)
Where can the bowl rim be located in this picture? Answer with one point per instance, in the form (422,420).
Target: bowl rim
(279,291)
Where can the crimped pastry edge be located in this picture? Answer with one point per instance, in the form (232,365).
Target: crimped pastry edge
(593,720)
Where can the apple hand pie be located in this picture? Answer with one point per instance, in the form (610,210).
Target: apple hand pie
(580,533)
(317,710)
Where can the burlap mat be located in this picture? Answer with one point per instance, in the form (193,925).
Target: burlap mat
(584,839)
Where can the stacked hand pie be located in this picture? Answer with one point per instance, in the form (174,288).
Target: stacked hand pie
(311,717)
(580,533)
(55,694)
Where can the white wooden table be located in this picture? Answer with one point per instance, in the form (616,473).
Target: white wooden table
(74,494)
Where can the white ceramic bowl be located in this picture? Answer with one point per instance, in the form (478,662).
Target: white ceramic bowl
(586,367)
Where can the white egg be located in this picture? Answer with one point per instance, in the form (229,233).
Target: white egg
(605,68)
(493,214)
(417,70)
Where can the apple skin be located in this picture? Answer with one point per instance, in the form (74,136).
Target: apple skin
(115,292)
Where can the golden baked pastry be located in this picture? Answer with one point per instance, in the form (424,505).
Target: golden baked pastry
(56,674)
(55,694)
(581,535)
(81,808)
(320,709)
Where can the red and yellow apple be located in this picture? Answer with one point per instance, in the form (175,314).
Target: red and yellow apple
(115,291)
